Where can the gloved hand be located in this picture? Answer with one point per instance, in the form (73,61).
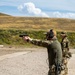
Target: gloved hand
(27,38)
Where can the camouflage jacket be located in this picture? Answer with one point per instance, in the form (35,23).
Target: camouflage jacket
(65,43)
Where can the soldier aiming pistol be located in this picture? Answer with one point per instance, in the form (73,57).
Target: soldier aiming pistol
(53,48)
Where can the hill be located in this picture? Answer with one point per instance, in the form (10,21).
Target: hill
(3,15)
(36,23)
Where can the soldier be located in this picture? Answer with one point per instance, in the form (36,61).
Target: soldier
(65,50)
(53,48)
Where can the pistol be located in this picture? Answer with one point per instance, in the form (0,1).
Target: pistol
(21,35)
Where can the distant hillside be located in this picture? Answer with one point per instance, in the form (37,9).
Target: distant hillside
(36,23)
(2,14)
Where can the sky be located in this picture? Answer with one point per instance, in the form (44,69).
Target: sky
(39,8)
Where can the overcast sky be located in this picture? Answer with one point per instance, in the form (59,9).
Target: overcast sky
(39,8)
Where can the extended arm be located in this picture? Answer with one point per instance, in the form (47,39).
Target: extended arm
(37,42)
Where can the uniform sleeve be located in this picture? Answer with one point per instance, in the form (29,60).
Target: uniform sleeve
(67,44)
(40,42)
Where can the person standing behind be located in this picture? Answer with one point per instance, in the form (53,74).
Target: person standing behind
(65,43)
(53,48)
(65,50)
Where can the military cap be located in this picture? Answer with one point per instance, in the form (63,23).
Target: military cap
(63,32)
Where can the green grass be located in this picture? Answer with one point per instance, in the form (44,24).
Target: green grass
(11,37)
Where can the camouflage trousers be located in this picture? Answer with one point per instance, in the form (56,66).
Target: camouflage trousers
(66,57)
(52,71)
(64,70)
(64,66)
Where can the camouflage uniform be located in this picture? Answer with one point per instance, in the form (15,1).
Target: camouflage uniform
(54,51)
(66,53)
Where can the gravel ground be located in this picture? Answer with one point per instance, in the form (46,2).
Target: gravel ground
(71,65)
(31,62)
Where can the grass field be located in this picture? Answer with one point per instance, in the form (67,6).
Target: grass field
(36,23)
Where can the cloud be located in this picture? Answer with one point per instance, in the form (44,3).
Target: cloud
(31,10)
(20,7)
(64,15)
